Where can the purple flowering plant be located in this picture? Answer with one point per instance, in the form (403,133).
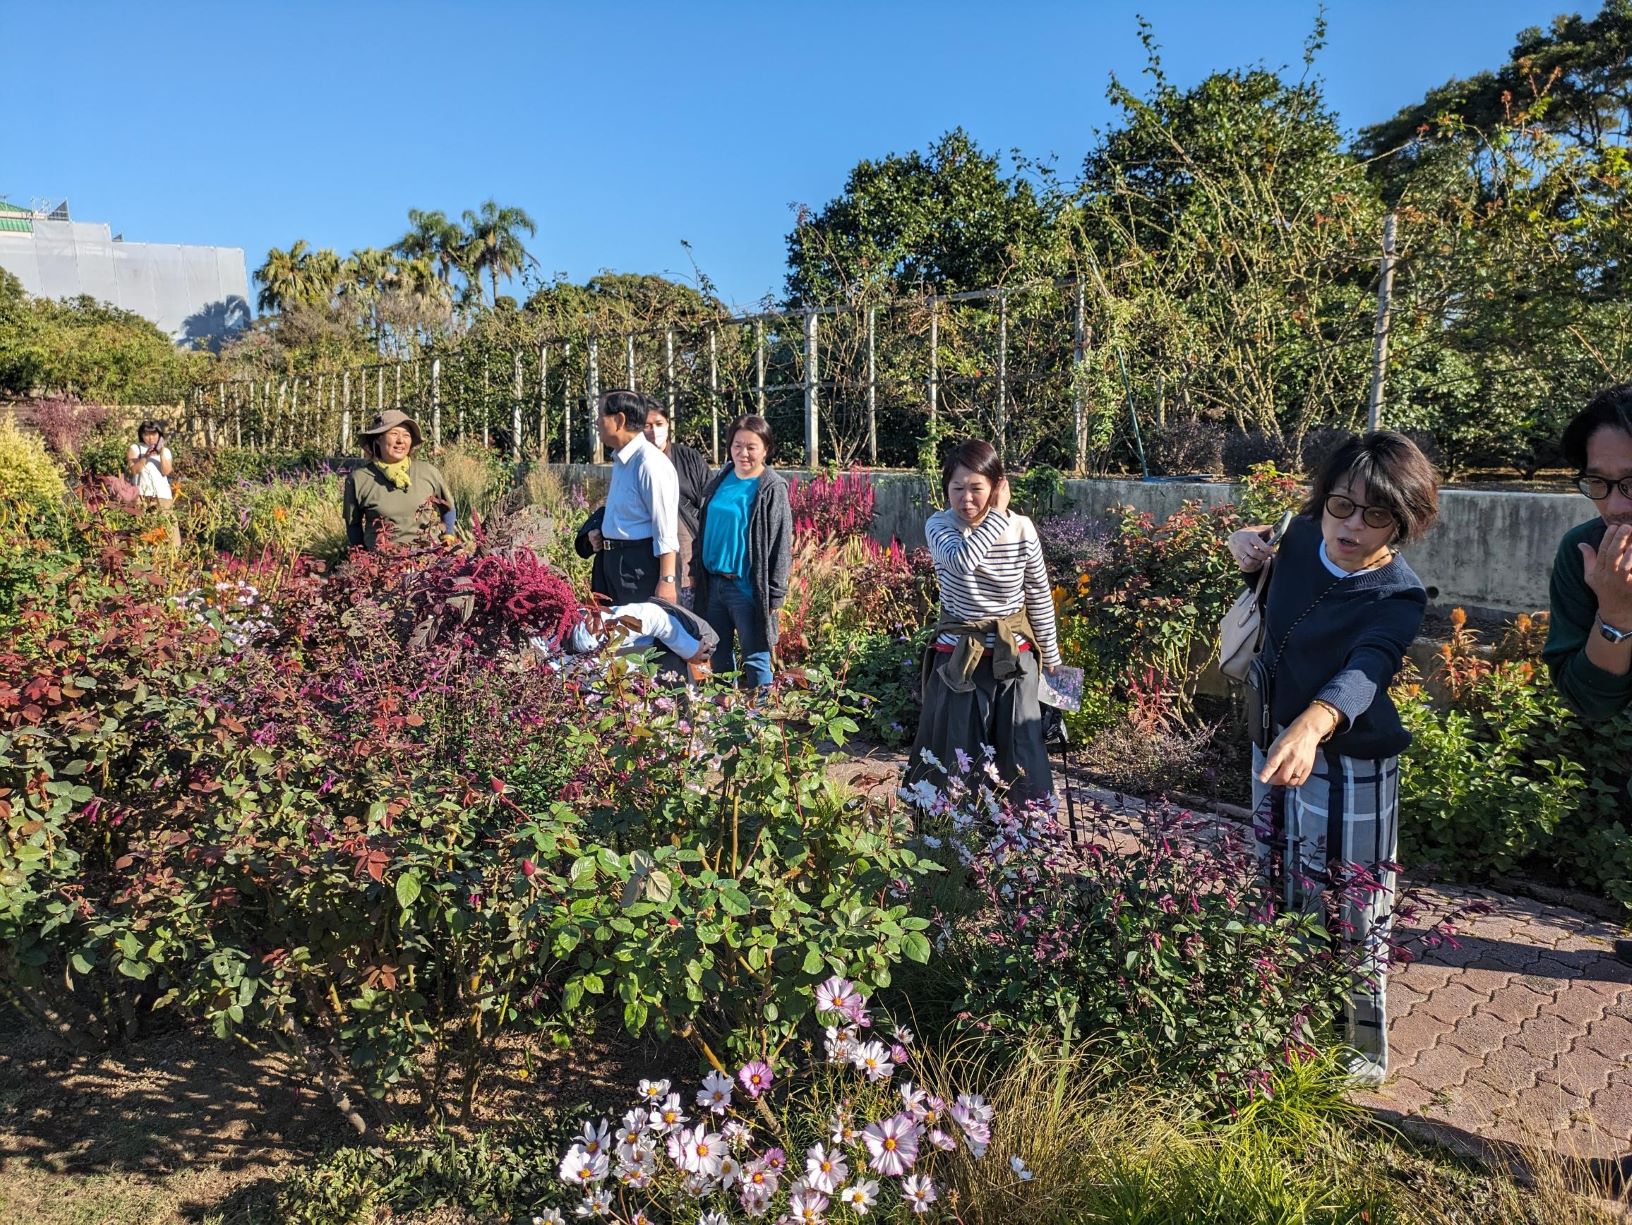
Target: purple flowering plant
(1153,936)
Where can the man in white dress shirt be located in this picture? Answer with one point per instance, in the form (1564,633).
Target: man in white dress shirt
(638,540)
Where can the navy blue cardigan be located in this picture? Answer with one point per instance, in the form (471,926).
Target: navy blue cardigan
(1348,649)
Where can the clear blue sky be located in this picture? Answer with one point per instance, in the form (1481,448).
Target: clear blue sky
(621,127)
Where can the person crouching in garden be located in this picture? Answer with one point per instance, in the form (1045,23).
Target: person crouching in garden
(743,552)
(1589,630)
(981,671)
(150,464)
(393,487)
(1342,609)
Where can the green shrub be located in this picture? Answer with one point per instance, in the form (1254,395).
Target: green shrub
(31,484)
(1477,794)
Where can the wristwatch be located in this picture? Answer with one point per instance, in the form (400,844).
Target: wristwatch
(1610,633)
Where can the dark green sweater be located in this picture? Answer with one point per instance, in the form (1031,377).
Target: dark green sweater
(1591,692)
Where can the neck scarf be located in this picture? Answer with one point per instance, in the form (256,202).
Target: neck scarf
(396,473)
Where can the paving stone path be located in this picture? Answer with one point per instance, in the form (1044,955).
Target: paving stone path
(1519,1038)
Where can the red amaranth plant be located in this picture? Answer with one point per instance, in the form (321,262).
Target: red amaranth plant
(832,508)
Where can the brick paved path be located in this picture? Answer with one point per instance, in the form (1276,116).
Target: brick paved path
(1522,1036)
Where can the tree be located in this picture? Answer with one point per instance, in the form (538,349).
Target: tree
(1231,244)
(434,239)
(1574,80)
(940,221)
(492,243)
(299,276)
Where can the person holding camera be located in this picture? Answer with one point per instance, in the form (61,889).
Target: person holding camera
(1342,610)
(150,464)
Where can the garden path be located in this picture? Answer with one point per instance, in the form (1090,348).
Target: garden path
(1518,1038)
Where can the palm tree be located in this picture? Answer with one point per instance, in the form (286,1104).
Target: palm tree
(299,276)
(492,244)
(279,277)
(434,239)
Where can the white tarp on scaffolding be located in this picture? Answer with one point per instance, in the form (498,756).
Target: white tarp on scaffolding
(193,293)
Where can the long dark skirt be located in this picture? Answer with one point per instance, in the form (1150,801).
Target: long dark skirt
(1003,714)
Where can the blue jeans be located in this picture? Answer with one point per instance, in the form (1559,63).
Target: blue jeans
(734,607)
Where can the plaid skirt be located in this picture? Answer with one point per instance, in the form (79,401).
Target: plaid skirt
(1347,811)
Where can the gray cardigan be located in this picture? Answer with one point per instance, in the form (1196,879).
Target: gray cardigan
(770,546)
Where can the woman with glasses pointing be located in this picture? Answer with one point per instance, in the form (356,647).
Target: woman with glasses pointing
(1342,609)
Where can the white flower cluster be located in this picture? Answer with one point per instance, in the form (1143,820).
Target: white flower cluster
(233,607)
(716,1161)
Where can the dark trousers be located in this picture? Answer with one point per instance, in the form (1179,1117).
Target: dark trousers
(626,576)
(1003,714)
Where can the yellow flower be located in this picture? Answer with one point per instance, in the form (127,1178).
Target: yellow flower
(279,513)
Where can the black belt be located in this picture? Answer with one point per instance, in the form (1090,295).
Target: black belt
(608,544)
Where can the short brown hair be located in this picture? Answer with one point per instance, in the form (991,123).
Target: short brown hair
(1397,475)
(754,424)
(978,456)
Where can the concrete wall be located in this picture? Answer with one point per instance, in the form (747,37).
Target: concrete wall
(1488,550)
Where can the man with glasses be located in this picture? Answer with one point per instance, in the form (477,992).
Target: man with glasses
(1589,637)
(1589,640)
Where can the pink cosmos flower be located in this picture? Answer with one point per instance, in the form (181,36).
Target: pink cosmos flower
(892,1144)
(756,1077)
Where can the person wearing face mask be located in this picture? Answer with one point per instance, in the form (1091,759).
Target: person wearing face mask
(692,469)
(1342,609)
(981,671)
(743,552)
(394,493)
(1589,630)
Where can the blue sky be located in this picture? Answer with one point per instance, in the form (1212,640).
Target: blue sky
(622,127)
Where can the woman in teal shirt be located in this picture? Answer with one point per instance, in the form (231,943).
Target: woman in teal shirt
(743,552)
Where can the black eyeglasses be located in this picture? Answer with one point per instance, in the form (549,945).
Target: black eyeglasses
(1339,507)
(1597,487)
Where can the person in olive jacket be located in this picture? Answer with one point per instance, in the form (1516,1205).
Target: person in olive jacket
(744,551)
(393,487)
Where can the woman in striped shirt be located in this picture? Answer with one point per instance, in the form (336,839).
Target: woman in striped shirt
(997,617)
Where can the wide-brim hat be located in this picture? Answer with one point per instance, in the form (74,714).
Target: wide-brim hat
(390,419)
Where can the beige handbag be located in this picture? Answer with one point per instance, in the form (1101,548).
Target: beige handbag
(1241,633)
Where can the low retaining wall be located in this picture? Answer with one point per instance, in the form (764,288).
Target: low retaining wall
(1489,549)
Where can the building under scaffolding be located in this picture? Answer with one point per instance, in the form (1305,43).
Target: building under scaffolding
(196,294)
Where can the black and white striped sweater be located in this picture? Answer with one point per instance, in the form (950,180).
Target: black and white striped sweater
(990,569)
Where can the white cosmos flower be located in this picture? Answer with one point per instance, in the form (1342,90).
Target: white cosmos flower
(581,1168)
(841,1043)
(1017,1163)
(755,1200)
(825,1170)
(653,1091)
(873,1059)
(550,1216)
(860,1195)
(807,1207)
(918,1191)
(730,1170)
(596,1203)
(701,1150)
(844,1132)
(668,1116)
(715,1094)
(633,1128)
(597,1136)
(713,1218)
